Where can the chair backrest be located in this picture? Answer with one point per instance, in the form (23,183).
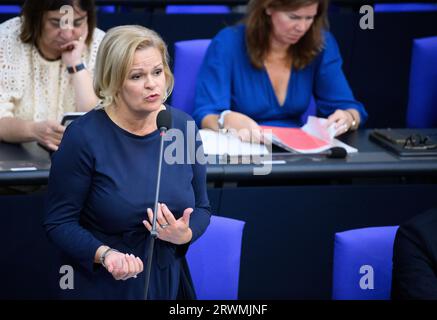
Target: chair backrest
(405,7)
(196,9)
(363,263)
(188,57)
(214,260)
(7,8)
(422,100)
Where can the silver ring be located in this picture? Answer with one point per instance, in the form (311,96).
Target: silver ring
(165,225)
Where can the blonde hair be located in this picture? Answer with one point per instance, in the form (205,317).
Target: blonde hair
(115,57)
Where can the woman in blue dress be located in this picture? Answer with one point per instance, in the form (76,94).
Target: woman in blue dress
(103,177)
(266,70)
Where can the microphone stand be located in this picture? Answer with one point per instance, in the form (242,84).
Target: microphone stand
(153,232)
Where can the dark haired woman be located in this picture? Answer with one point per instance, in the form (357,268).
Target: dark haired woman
(47,58)
(265,71)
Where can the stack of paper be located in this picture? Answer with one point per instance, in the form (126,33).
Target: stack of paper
(313,137)
(215,143)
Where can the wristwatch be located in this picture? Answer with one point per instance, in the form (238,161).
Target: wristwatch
(76,68)
(221,120)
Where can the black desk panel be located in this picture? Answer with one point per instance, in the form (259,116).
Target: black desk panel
(291,215)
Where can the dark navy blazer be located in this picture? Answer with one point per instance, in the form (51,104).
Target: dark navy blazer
(102,180)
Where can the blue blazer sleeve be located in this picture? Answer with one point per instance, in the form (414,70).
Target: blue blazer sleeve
(331,89)
(69,183)
(213,86)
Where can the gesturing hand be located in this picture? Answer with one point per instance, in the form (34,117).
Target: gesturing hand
(169,229)
(123,266)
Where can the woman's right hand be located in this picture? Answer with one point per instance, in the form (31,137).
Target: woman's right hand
(48,133)
(245,127)
(123,266)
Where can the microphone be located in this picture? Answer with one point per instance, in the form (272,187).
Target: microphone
(163,122)
(336,153)
(332,153)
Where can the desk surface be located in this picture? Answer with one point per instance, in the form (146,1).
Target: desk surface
(29,164)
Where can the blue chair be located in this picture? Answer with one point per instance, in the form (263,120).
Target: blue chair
(405,7)
(214,260)
(107,9)
(363,264)
(196,9)
(422,100)
(6,8)
(188,57)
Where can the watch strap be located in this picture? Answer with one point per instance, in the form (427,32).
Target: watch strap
(76,68)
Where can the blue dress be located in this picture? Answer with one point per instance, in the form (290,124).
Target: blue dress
(228,81)
(101,182)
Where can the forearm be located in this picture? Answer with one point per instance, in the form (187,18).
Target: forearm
(16,130)
(86,99)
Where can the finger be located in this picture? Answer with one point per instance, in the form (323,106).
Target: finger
(244,134)
(136,265)
(341,123)
(141,265)
(147,225)
(150,215)
(51,146)
(186,215)
(69,44)
(342,129)
(333,118)
(55,142)
(256,136)
(168,215)
(160,217)
(131,267)
(125,269)
(59,129)
(55,138)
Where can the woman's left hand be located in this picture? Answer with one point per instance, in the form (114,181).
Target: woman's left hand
(342,121)
(169,229)
(72,51)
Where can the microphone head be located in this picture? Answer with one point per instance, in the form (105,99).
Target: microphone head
(337,153)
(163,120)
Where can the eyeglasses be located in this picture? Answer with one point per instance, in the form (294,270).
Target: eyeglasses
(419,142)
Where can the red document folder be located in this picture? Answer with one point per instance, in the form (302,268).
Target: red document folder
(296,139)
